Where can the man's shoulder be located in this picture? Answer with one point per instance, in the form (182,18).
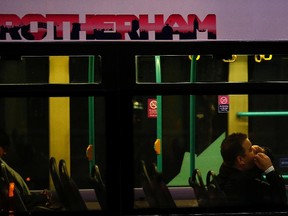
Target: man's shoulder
(232,178)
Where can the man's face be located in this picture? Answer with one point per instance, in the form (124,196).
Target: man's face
(248,157)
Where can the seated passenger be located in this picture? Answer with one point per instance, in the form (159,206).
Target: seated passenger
(241,174)
(30,199)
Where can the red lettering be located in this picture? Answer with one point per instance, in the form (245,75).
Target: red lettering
(58,20)
(105,27)
(40,23)
(177,22)
(10,23)
(209,23)
(100,23)
(124,24)
(156,26)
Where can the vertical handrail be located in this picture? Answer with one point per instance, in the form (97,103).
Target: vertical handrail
(159,112)
(192,116)
(91,112)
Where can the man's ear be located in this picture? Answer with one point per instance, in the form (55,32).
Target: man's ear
(240,160)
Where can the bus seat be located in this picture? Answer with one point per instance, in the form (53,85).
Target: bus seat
(200,190)
(161,190)
(147,187)
(76,202)
(216,197)
(99,186)
(155,189)
(210,177)
(54,172)
(209,195)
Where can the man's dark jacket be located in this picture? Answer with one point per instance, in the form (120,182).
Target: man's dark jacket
(251,188)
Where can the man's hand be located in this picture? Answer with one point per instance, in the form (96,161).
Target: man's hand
(258,149)
(262,161)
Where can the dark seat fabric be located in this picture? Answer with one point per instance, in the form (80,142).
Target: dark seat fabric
(75,200)
(209,195)
(200,190)
(163,195)
(99,186)
(54,172)
(216,197)
(156,191)
(210,177)
(147,186)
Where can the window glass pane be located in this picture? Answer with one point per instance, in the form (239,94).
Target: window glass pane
(209,68)
(268,67)
(34,69)
(167,69)
(191,129)
(62,127)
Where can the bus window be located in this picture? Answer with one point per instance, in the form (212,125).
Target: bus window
(178,133)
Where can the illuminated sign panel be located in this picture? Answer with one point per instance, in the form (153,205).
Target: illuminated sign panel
(105,27)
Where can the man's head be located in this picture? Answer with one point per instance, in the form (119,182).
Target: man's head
(4,143)
(237,151)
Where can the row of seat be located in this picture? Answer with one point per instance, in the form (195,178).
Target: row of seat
(68,191)
(65,186)
(209,194)
(158,195)
(69,196)
(155,189)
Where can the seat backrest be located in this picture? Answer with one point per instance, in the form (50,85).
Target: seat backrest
(209,177)
(147,186)
(99,186)
(161,190)
(200,190)
(76,202)
(54,172)
(216,197)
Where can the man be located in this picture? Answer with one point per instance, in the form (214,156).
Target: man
(241,175)
(30,199)
(4,145)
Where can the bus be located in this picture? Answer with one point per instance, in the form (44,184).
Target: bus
(151,83)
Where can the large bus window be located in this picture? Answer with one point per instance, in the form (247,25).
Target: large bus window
(188,143)
(178,133)
(40,128)
(67,127)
